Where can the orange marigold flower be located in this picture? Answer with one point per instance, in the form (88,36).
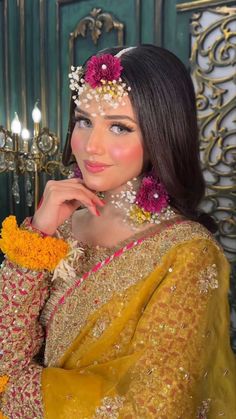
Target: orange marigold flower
(3,382)
(29,249)
(2,416)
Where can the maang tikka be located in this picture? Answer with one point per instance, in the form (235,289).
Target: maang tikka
(100,82)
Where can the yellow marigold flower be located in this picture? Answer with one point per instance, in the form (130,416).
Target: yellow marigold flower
(29,249)
(138,215)
(3,382)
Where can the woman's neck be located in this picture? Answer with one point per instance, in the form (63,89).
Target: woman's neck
(114,225)
(116,200)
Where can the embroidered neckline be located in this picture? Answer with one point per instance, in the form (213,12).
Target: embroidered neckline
(116,252)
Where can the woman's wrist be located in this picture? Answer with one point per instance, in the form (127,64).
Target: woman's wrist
(40,228)
(30,224)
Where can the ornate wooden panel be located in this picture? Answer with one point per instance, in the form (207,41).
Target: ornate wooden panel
(213,63)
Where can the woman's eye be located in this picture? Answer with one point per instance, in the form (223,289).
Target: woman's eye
(120,129)
(82,122)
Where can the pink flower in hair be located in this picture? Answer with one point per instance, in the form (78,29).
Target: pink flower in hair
(152,196)
(103,67)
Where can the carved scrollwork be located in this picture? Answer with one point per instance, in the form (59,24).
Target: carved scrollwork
(95,23)
(213,60)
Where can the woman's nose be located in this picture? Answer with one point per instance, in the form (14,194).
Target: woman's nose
(94,144)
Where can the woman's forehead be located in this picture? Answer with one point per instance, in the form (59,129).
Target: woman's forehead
(94,107)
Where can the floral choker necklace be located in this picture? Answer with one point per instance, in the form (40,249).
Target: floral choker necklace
(150,204)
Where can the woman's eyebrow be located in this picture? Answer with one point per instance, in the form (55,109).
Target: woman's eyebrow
(81,111)
(119,117)
(106,116)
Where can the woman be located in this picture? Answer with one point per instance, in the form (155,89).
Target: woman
(127,296)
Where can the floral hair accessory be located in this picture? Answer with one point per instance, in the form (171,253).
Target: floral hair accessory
(100,81)
(103,68)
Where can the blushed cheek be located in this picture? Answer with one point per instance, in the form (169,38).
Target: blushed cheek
(127,155)
(76,144)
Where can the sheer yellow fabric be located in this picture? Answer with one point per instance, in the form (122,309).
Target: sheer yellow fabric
(160,350)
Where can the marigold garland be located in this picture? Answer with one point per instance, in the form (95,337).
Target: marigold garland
(29,249)
(3,382)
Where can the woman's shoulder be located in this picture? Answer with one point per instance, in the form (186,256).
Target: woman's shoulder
(161,238)
(182,234)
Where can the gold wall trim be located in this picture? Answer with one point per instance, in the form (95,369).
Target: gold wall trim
(6,65)
(23,63)
(199,4)
(44,102)
(96,22)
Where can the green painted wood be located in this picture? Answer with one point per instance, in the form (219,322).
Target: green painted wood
(2,60)
(14,59)
(32,58)
(52,60)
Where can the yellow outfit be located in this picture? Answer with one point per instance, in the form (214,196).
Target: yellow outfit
(144,335)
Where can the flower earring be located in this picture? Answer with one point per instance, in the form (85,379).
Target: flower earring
(150,204)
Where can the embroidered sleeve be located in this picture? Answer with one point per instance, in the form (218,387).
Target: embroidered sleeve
(23,293)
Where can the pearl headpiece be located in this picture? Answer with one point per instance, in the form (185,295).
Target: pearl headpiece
(100,81)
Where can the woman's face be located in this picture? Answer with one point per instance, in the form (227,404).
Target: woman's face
(109,148)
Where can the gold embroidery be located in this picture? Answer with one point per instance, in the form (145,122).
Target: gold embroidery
(203,409)
(208,279)
(111,280)
(109,408)
(100,326)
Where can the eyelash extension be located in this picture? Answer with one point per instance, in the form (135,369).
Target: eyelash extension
(123,126)
(77,118)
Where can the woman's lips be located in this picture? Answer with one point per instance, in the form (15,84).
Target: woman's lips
(95,167)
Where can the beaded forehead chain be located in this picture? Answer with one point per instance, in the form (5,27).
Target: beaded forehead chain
(100,82)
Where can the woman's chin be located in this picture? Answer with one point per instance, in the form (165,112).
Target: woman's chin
(97,185)
(100,185)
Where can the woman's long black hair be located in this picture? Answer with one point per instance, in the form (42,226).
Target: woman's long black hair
(163,99)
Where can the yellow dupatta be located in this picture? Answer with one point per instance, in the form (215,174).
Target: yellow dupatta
(157,347)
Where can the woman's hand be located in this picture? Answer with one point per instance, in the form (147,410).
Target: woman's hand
(60,199)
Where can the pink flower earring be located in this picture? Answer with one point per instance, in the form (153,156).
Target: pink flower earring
(152,195)
(150,204)
(77,172)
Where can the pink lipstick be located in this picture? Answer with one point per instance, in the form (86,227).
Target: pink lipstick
(95,167)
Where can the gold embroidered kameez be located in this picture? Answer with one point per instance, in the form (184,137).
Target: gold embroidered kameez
(140,332)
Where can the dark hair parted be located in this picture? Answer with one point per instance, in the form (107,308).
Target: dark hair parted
(163,99)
